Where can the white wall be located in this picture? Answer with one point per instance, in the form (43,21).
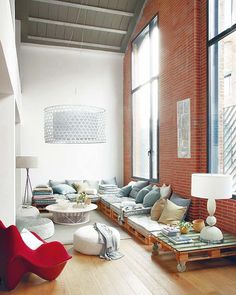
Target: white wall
(9,98)
(7,40)
(7,159)
(52,76)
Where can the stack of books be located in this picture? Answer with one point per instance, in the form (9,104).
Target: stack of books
(42,197)
(108,189)
(180,239)
(170,231)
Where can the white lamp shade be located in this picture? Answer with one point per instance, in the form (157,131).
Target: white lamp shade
(215,186)
(26,162)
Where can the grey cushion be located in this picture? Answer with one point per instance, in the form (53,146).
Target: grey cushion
(108,200)
(125,190)
(109,181)
(71,181)
(184,202)
(137,187)
(142,193)
(151,198)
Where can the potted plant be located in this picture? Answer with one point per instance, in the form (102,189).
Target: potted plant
(80,200)
(184,227)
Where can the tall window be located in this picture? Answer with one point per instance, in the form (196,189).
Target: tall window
(222,87)
(145,70)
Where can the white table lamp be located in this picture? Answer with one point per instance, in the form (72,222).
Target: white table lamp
(27,162)
(211,187)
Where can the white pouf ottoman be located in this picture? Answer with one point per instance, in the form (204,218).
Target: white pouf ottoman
(27,211)
(44,227)
(86,240)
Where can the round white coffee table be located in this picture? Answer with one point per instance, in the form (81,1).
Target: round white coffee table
(72,214)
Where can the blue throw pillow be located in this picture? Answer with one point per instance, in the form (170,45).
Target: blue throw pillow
(151,198)
(142,193)
(137,187)
(184,202)
(55,182)
(63,189)
(125,190)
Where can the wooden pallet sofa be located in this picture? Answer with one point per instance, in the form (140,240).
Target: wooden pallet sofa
(136,218)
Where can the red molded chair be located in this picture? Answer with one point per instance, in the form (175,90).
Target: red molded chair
(16,258)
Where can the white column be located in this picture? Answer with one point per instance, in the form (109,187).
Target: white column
(7,159)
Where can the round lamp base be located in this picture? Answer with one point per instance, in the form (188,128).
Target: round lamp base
(211,235)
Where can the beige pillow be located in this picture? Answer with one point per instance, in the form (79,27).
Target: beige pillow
(172,214)
(165,191)
(157,209)
(80,186)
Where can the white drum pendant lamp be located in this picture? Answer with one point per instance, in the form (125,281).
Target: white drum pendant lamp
(72,124)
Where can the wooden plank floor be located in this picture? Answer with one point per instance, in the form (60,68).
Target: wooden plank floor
(136,273)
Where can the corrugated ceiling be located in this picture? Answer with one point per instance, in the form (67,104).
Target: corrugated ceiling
(94,24)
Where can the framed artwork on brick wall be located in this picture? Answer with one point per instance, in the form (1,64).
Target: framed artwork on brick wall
(184,128)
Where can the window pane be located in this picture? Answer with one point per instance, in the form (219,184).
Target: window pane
(141,134)
(154,129)
(154,49)
(222,15)
(223,106)
(140,59)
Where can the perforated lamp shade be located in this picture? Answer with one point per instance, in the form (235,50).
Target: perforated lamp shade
(26,162)
(216,186)
(72,124)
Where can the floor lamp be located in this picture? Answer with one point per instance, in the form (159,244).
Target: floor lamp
(27,162)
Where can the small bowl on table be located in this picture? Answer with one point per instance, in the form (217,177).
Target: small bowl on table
(198,225)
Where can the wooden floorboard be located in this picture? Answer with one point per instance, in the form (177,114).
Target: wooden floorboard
(136,273)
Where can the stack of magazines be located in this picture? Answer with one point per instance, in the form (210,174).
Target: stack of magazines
(170,231)
(182,239)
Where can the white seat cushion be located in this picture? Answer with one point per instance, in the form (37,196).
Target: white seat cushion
(144,225)
(86,240)
(30,240)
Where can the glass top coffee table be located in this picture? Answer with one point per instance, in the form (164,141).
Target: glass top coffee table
(195,250)
(72,214)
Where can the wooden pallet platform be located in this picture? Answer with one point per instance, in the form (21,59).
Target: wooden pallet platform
(104,209)
(115,217)
(196,250)
(145,240)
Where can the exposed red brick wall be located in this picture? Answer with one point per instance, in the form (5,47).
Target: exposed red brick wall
(183,74)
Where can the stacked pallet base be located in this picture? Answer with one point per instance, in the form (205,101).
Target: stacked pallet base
(124,224)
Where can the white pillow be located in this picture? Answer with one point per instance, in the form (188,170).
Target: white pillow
(132,183)
(165,191)
(30,240)
(92,183)
(91,191)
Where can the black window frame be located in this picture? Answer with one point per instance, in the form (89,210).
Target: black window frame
(151,178)
(213,94)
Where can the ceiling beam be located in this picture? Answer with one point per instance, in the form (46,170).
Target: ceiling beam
(74,25)
(77,43)
(131,28)
(87,7)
